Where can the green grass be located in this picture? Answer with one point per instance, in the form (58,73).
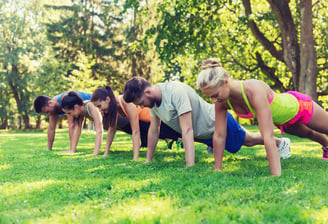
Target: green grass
(39,186)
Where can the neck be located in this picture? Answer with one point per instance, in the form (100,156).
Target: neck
(83,108)
(157,96)
(234,86)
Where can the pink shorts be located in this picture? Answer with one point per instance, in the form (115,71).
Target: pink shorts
(305,110)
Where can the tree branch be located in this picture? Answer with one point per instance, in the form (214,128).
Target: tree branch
(259,35)
(270,73)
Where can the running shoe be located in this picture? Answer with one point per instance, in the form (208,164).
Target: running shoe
(284,148)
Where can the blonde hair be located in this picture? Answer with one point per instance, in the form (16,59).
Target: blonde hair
(212,74)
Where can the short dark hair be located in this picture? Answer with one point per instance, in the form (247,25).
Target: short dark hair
(134,88)
(40,102)
(70,99)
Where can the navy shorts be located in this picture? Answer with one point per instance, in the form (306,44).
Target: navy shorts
(235,136)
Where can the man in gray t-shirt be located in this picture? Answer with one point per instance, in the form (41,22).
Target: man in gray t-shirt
(181,108)
(178,99)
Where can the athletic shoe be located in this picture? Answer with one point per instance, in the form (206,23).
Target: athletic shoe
(169,144)
(209,150)
(325,153)
(284,148)
(179,144)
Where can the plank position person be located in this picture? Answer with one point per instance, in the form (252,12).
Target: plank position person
(181,108)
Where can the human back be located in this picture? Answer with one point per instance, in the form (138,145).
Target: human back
(179,98)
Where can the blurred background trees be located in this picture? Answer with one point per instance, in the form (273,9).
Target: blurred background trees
(47,47)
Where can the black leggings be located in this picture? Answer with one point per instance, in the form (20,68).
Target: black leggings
(123,124)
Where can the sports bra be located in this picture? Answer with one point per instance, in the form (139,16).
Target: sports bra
(283,106)
(87,103)
(251,113)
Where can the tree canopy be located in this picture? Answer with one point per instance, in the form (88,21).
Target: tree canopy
(48,47)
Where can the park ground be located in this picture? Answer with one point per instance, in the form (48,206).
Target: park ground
(40,186)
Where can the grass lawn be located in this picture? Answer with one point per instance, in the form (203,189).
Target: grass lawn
(39,186)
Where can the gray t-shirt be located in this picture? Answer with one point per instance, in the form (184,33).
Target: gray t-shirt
(179,98)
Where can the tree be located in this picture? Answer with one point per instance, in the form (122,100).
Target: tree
(272,40)
(84,40)
(21,44)
(300,56)
(140,55)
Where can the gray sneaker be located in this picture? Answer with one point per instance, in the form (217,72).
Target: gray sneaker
(284,148)
(209,150)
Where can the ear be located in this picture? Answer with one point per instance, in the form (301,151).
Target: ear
(147,91)
(50,103)
(76,107)
(107,99)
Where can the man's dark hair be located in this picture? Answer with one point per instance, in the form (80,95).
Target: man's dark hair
(40,102)
(134,89)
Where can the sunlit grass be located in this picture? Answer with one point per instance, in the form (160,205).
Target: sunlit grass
(39,186)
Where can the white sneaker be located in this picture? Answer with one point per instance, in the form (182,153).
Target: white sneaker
(284,148)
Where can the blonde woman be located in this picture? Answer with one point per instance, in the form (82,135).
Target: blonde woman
(292,112)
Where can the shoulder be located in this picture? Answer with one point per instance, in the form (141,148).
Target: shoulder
(256,89)
(253,85)
(176,88)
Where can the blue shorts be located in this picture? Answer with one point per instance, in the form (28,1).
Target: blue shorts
(235,136)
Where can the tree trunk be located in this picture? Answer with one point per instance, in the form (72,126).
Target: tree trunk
(24,114)
(308,74)
(4,123)
(289,38)
(20,123)
(38,123)
(26,120)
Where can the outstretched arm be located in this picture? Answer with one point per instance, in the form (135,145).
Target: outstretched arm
(188,138)
(51,130)
(153,134)
(70,121)
(259,102)
(219,136)
(110,137)
(132,112)
(96,116)
(76,133)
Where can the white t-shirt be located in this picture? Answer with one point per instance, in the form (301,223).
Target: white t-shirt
(179,98)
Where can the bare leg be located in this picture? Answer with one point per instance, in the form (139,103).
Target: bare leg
(255,138)
(319,120)
(303,131)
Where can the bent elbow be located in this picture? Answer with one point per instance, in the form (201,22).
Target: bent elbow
(99,132)
(188,131)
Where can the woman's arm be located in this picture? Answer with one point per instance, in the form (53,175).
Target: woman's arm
(132,112)
(110,137)
(76,133)
(258,95)
(219,136)
(96,116)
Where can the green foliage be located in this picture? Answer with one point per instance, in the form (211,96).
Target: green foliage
(219,29)
(81,45)
(22,47)
(39,186)
(83,41)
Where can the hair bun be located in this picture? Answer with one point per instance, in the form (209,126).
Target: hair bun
(210,63)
